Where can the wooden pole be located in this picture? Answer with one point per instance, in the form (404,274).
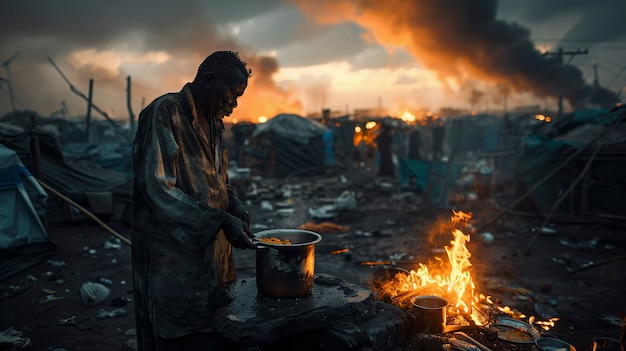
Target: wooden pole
(88,117)
(131,115)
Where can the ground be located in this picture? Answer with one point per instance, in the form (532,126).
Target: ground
(517,269)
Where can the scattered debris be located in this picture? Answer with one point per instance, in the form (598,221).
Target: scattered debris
(94,293)
(110,314)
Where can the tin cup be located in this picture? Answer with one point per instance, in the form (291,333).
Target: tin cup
(430,312)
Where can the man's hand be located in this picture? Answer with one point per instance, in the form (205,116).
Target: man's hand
(237,232)
(238,210)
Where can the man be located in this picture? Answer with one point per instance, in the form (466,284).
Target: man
(384,141)
(185,215)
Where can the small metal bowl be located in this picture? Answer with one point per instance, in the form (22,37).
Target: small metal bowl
(552,344)
(515,330)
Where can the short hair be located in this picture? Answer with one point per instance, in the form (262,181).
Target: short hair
(223,63)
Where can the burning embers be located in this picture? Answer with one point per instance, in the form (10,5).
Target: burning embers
(450,279)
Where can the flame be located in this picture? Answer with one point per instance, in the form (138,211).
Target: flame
(451,280)
(545,325)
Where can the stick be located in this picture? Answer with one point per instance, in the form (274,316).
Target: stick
(89,214)
(593,265)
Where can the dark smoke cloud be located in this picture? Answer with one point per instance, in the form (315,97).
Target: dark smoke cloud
(187,31)
(462,39)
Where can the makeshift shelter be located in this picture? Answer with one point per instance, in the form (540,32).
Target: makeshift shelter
(578,166)
(433,179)
(288,144)
(79,178)
(24,241)
(343,138)
(479,133)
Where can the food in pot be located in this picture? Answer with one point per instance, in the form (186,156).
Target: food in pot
(274,240)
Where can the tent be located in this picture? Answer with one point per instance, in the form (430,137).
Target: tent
(581,158)
(75,170)
(24,241)
(288,144)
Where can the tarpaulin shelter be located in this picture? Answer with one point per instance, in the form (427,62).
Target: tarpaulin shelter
(288,144)
(434,179)
(79,178)
(24,241)
(578,165)
(477,133)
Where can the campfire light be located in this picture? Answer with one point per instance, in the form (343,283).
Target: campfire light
(455,285)
(451,280)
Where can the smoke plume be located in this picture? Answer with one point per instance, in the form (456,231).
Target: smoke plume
(461,40)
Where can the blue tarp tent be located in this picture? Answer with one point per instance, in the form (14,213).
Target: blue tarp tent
(24,241)
(443,176)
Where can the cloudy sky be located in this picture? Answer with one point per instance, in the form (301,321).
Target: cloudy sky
(307,55)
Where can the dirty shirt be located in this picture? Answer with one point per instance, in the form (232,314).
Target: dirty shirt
(180,254)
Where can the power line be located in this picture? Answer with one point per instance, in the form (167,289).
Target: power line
(581,40)
(606,61)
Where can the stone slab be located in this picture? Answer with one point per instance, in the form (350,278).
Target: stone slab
(254,319)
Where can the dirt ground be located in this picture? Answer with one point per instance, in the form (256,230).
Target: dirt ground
(389,224)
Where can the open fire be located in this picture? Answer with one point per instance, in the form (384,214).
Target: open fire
(452,280)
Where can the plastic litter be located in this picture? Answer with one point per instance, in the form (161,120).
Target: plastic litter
(346,201)
(94,293)
(57,263)
(114,244)
(68,321)
(487,238)
(548,231)
(49,298)
(10,335)
(266,206)
(110,314)
(323,212)
(13,340)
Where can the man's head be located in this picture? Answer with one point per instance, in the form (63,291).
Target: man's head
(222,78)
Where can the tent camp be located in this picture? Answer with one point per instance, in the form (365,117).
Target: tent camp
(23,238)
(287,144)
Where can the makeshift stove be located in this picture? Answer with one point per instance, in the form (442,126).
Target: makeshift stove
(434,307)
(442,299)
(335,316)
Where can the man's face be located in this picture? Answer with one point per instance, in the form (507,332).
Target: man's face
(227,90)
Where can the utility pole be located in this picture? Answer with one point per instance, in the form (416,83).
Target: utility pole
(560,54)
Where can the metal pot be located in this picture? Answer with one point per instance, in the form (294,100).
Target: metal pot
(286,270)
(430,312)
